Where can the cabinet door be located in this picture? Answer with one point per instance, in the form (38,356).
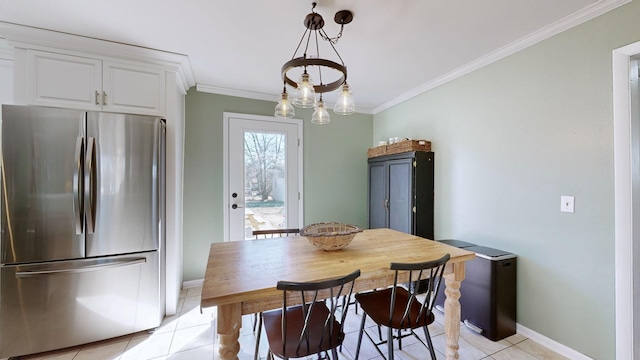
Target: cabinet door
(63,81)
(6,82)
(134,89)
(378,217)
(400,195)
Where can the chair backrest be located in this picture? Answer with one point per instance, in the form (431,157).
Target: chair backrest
(274,233)
(424,278)
(322,329)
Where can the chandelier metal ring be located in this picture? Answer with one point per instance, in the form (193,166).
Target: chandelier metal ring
(302,62)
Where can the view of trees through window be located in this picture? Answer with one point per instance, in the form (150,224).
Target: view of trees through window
(265,176)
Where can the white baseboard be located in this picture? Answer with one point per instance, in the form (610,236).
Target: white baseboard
(550,344)
(192,283)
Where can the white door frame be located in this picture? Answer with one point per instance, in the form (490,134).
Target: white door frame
(625,137)
(225,128)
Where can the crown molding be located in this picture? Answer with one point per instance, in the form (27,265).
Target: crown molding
(237,93)
(590,12)
(21,36)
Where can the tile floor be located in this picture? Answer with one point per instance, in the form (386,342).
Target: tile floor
(189,335)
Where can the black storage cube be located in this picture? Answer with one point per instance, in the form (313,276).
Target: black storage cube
(488,293)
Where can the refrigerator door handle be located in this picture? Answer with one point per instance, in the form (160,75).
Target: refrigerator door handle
(78,186)
(83,269)
(90,185)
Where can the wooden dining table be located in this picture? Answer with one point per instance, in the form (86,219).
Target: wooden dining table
(241,276)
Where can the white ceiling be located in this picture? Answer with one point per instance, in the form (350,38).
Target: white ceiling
(392,49)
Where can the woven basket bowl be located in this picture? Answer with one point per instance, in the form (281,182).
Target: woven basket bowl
(330,235)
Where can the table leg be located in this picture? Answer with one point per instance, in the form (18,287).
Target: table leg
(229,323)
(452,310)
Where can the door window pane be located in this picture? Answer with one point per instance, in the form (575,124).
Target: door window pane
(265,183)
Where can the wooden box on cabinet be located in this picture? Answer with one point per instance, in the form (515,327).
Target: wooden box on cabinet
(401,192)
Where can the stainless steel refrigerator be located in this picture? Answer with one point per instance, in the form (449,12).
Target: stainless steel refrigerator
(81,237)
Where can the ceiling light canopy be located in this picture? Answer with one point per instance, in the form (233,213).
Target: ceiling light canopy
(305,88)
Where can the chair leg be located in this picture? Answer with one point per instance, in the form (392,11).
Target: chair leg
(334,354)
(429,343)
(399,340)
(257,350)
(364,318)
(255,321)
(390,343)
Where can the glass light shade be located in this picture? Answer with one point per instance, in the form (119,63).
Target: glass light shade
(345,104)
(305,95)
(321,115)
(284,109)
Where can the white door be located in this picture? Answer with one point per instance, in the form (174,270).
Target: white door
(263,180)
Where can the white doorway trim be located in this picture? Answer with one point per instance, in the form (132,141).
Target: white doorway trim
(625,143)
(225,128)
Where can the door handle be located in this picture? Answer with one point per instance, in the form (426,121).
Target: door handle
(78,187)
(82,269)
(90,192)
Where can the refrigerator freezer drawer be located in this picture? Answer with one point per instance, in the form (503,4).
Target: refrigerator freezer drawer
(59,304)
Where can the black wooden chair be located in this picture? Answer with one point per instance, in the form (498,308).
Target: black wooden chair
(274,233)
(315,326)
(268,234)
(400,308)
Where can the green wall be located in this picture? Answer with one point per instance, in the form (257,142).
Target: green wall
(510,139)
(335,170)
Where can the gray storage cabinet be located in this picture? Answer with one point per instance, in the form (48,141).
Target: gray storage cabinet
(401,193)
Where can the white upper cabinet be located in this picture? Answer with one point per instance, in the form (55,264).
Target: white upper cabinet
(92,84)
(62,80)
(131,88)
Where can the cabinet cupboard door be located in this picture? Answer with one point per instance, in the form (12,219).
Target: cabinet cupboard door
(378,196)
(134,89)
(400,195)
(63,81)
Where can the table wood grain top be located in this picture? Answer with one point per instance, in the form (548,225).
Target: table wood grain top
(249,270)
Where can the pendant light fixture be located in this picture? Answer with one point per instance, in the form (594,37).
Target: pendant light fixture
(305,88)
(305,94)
(321,115)
(345,104)
(284,109)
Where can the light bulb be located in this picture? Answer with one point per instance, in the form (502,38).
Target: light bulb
(321,115)
(305,95)
(284,109)
(345,104)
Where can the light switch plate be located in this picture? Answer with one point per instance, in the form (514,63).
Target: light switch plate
(566,204)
